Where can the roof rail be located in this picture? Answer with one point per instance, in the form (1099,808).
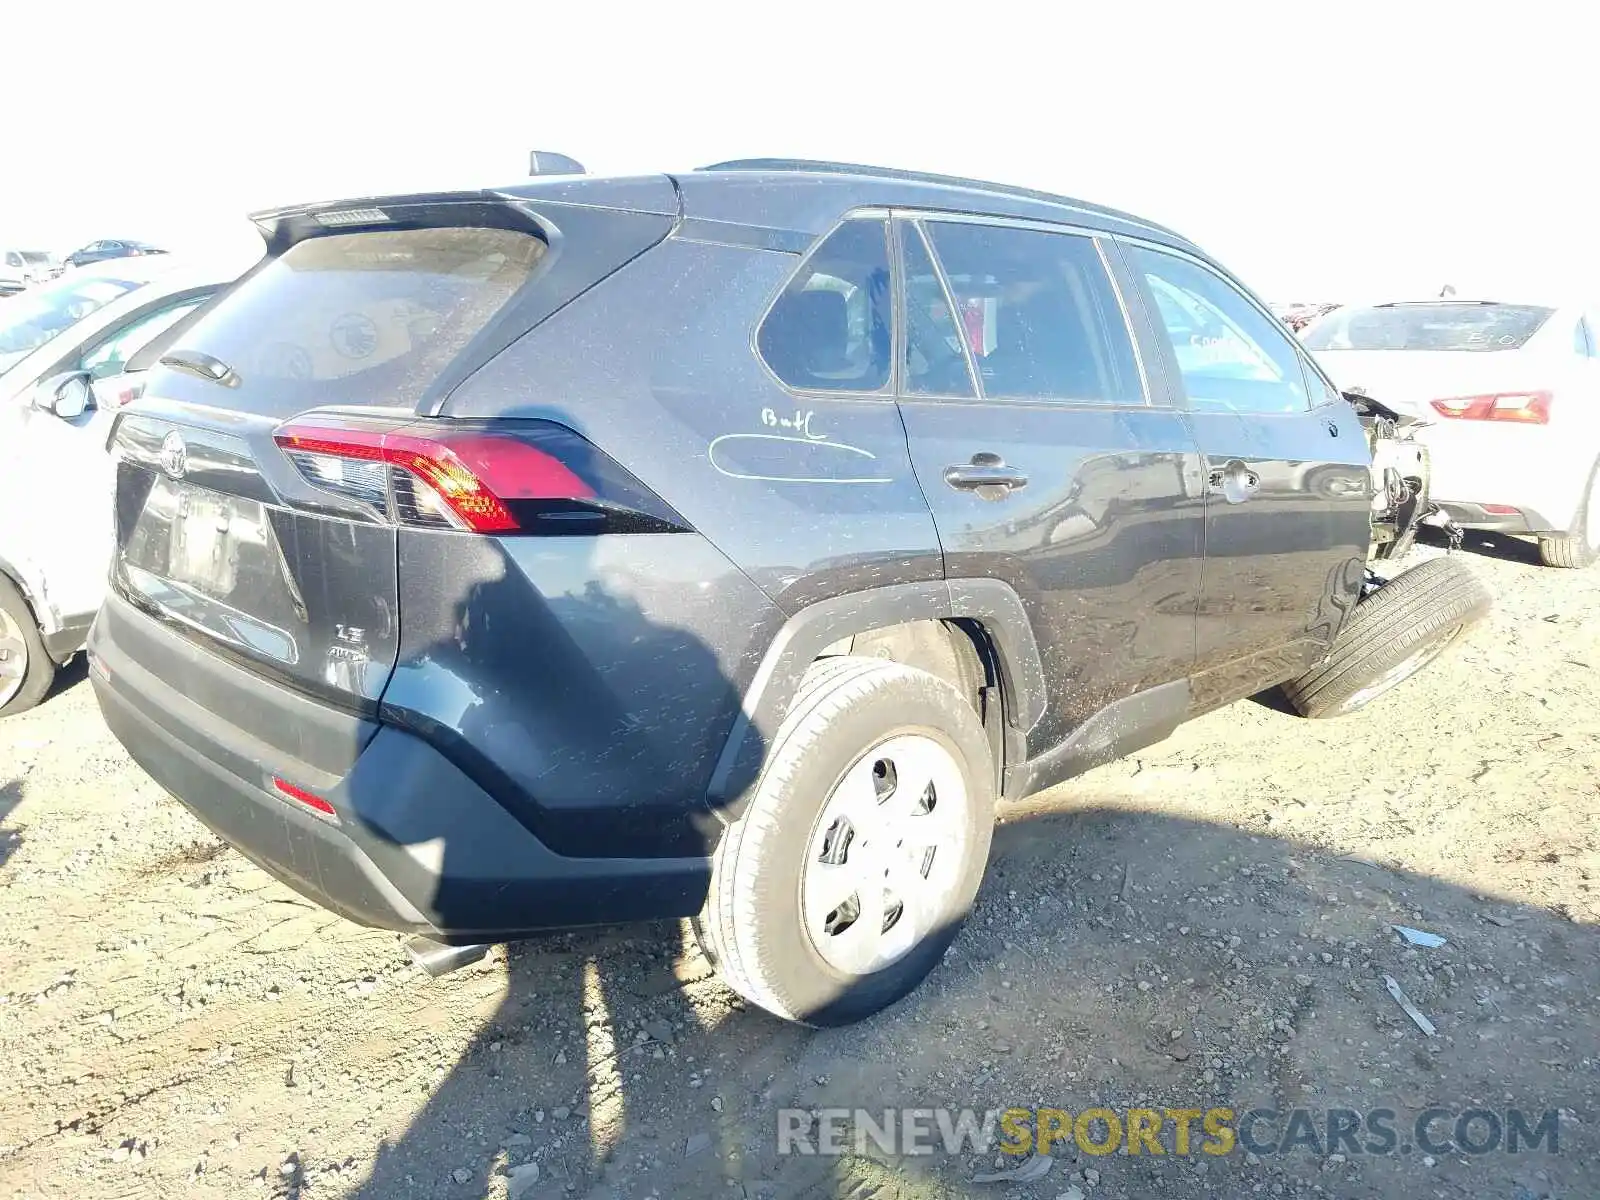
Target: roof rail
(819,166)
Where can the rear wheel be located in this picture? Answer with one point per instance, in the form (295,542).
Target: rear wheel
(1581,546)
(26,670)
(859,856)
(1393,634)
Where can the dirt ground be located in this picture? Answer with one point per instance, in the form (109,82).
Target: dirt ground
(1206,924)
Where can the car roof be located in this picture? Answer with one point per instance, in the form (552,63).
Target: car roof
(894,186)
(1509,299)
(138,269)
(789,201)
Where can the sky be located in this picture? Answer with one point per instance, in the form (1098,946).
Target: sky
(1322,149)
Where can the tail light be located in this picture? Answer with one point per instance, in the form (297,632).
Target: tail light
(505,477)
(1529,408)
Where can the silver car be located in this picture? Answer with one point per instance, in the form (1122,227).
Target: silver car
(64,350)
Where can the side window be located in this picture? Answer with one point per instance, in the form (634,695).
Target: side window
(1039,314)
(936,357)
(1317,386)
(830,329)
(1231,354)
(109,356)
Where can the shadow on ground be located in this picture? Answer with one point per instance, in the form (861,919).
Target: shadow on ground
(1492,545)
(10,839)
(75,673)
(1116,957)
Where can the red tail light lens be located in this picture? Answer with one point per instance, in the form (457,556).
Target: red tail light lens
(1529,408)
(509,477)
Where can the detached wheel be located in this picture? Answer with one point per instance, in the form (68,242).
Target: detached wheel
(1394,633)
(1581,546)
(858,858)
(26,671)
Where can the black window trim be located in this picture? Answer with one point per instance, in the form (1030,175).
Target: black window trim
(903,221)
(1221,273)
(923,216)
(887,392)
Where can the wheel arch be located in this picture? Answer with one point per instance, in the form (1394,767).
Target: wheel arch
(974,633)
(30,595)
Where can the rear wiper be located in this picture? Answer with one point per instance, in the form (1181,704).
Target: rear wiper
(197,362)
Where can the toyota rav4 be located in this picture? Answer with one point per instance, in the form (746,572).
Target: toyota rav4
(726,545)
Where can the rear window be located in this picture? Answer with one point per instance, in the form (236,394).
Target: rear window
(361,318)
(1428,327)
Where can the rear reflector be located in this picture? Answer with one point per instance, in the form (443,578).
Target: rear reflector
(309,799)
(477,477)
(1501,510)
(1529,408)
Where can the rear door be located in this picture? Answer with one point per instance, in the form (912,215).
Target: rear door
(1287,492)
(1045,462)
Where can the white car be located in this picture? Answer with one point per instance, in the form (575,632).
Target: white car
(64,347)
(1512,392)
(21,269)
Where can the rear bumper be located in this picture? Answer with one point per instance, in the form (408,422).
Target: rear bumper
(1476,516)
(66,641)
(1482,463)
(416,846)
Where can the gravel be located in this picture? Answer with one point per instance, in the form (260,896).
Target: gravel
(173,1021)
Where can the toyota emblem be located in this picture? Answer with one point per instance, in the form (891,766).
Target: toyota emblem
(174,455)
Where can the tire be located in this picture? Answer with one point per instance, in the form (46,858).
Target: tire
(26,670)
(1581,545)
(1394,632)
(854,725)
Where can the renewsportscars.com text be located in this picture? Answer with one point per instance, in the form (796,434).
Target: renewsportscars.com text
(1177,1131)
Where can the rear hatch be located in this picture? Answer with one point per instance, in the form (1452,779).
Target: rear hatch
(1410,380)
(233,528)
(1409,355)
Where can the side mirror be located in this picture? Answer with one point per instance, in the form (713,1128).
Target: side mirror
(67,395)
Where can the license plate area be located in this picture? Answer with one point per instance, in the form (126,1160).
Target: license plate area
(211,561)
(207,538)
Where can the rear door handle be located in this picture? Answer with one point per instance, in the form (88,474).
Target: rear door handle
(987,475)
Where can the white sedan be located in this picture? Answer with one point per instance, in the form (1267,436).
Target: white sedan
(1512,392)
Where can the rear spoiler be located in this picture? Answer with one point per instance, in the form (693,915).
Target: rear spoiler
(500,208)
(283,227)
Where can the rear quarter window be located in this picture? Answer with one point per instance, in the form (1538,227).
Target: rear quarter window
(830,329)
(369,318)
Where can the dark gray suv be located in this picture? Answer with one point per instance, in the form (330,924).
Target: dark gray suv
(720,545)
